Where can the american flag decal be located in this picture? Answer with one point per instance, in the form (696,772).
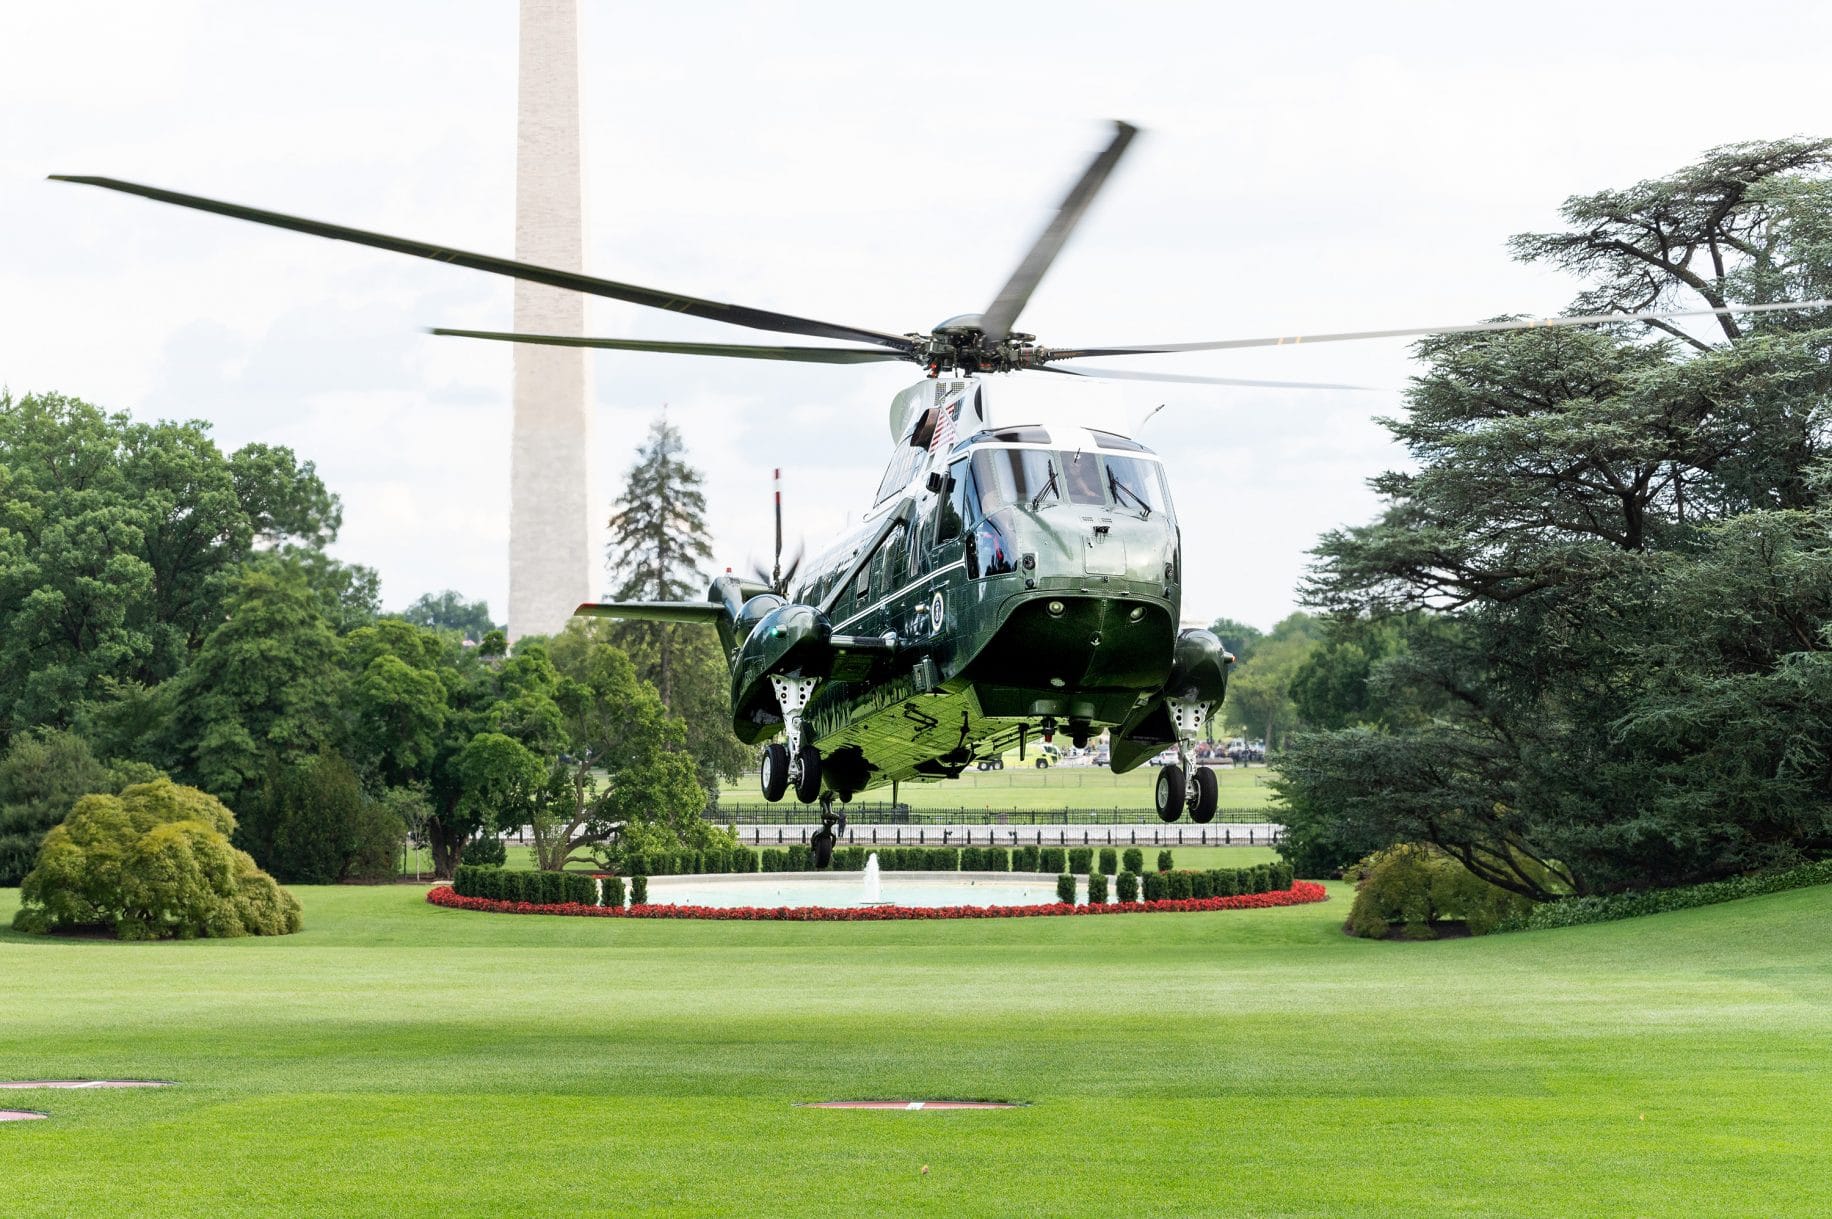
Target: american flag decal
(942,438)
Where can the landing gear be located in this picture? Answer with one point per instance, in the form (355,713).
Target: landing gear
(795,763)
(1204,798)
(1183,784)
(1171,793)
(774,771)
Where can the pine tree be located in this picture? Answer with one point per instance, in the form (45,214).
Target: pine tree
(658,540)
(658,545)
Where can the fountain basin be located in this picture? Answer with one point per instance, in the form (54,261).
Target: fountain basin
(845,890)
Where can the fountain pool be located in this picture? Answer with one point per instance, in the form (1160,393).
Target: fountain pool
(844,890)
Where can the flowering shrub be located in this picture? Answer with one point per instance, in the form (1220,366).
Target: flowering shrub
(1301,893)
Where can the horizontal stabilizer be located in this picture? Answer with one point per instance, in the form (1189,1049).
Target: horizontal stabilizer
(653,611)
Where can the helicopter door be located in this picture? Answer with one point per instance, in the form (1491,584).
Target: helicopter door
(953,516)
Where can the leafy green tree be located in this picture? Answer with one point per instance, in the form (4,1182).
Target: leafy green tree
(659,543)
(1259,701)
(118,544)
(42,774)
(1623,529)
(266,689)
(152,863)
(313,824)
(449,611)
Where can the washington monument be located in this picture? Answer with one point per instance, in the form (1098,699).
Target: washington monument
(550,517)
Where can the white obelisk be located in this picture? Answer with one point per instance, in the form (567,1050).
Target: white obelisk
(550,518)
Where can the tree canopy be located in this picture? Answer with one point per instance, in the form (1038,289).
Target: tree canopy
(1599,598)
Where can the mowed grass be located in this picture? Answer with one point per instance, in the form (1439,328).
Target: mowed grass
(405,1060)
(1244,793)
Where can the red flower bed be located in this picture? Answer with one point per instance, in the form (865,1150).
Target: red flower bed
(1301,892)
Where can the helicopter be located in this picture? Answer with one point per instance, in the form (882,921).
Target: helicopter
(1008,582)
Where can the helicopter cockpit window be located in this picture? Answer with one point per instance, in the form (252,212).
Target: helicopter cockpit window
(1081,478)
(1014,476)
(1138,486)
(1022,435)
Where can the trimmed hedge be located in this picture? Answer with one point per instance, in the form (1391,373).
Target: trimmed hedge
(611,891)
(1164,861)
(1052,859)
(1109,861)
(1065,889)
(639,890)
(538,888)
(1081,860)
(1155,888)
(1097,887)
(485,852)
(1026,859)
(1132,860)
(1128,886)
(1576,911)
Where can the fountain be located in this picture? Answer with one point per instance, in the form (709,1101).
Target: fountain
(872,884)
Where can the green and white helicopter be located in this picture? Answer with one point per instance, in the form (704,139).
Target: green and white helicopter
(1007,583)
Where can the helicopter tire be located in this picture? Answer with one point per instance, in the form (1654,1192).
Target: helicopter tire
(820,846)
(998,763)
(1043,763)
(1169,793)
(774,772)
(1206,796)
(808,787)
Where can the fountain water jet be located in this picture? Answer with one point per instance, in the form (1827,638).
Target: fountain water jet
(872,883)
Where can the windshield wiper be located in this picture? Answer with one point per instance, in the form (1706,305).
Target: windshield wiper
(1119,488)
(1047,487)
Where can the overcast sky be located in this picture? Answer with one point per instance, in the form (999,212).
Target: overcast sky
(1303,168)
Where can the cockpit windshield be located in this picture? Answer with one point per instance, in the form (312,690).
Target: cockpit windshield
(1036,478)
(1014,476)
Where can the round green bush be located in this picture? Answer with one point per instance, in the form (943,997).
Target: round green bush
(1407,891)
(1065,889)
(152,863)
(487,851)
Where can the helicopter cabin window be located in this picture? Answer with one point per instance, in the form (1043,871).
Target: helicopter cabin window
(1138,486)
(888,564)
(956,496)
(1014,476)
(904,463)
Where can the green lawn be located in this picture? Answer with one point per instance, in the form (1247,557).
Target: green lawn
(1244,794)
(404,1060)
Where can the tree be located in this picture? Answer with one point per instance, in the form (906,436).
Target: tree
(449,611)
(1259,690)
(42,774)
(313,824)
(118,544)
(266,689)
(1616,540)
(152,863)
(658,544)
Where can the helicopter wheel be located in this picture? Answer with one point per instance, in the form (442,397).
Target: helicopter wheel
(774,771)
(1205,797)
(808,783)
(1170,792)
(820,846)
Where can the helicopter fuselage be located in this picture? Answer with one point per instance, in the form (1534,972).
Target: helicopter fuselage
(1018,582)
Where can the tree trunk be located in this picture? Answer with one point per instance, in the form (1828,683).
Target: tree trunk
(447,848)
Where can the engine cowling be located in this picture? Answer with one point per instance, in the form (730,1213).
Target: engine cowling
(787,639)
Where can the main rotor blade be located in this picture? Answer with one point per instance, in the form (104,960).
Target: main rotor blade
(693,306)
(806,355)
(1593,319)
(1110,374)
(997,321)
